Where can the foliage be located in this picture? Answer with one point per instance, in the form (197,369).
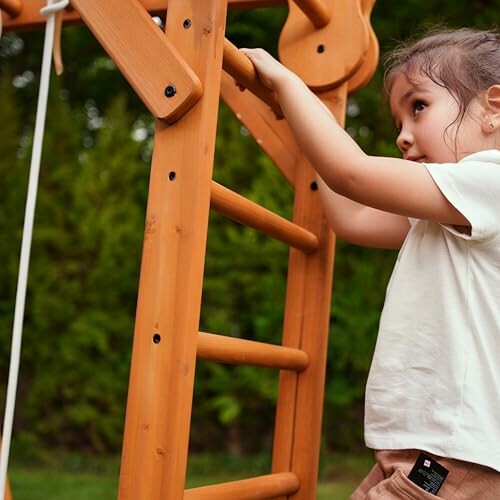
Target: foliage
(88,237)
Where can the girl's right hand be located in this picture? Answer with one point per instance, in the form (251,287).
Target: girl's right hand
(270,71)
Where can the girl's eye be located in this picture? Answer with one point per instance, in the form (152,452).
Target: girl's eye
(418,106)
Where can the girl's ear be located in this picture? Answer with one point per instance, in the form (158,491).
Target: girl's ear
(491,103)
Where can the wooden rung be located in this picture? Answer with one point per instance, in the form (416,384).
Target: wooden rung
(248,352)
(239,66)
(270,486)
(12,7)
(244,211)
(317,12)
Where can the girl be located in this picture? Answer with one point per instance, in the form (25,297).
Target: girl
(433,392)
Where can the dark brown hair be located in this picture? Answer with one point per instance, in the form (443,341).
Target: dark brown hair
(465,61)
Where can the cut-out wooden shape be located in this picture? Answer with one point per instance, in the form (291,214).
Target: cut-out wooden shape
(325,58)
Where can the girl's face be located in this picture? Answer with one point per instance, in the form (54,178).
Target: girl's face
(424,114)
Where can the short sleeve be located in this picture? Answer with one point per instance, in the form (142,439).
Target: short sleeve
(472,186)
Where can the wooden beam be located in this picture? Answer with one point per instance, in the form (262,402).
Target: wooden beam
(137,46)
(30,18)
(272,135)
(156,437)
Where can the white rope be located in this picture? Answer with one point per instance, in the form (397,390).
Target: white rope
(50,10)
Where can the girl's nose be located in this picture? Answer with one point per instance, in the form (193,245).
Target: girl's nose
(404,140)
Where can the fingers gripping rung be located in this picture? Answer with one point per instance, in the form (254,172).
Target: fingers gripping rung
(244,211)
(12,7)
(239,66)
(270,486)
(248,352)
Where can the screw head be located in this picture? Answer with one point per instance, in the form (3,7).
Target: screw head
(170,91)
(171,176)
(186,24)
(156,338)
(314,186)
(320,48)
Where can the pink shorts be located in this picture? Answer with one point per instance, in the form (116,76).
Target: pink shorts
(388,480)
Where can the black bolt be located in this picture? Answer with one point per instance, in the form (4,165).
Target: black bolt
(171,176)
(170,91)
(314,186)
(156,338)
(186,23)
(320,49)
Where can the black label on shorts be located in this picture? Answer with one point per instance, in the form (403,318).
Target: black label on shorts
(428,474)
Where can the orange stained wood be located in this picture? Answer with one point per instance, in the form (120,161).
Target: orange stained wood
(300,398)
(246,212)
(258,488)
(30,17)
(148,60)
(371,56)
(247,352)
(239,66)
(317,12)
(272,135)
(324,58)
(12,7)
(160,394)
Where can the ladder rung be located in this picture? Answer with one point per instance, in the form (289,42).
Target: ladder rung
(239,66)
(244,211)
(270,486)
(248,352)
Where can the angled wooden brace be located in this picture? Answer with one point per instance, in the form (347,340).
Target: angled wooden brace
(12,7)
(148,60)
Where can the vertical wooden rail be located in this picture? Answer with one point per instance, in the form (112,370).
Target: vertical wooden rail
(159,403)
(299,412)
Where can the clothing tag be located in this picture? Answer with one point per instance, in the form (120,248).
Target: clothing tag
(428,474)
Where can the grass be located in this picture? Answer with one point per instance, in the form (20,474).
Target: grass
(78,478)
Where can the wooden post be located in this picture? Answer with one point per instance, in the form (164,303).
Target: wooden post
(159,403)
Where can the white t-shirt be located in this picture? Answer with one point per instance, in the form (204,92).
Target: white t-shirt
(434,383)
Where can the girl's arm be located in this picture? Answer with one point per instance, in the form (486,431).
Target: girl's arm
(400,187)
(362,225)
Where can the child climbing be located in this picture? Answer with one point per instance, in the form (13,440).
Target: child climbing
(432,399)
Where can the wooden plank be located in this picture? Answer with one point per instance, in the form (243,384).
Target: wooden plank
(258,488)
(30,17)
(155,447)
(272,135)
(248,352)
(145,56)
(246,212)
(243,71)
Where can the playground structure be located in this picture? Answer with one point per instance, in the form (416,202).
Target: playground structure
(180,75)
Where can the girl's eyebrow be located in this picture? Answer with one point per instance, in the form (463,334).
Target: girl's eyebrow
(417,88)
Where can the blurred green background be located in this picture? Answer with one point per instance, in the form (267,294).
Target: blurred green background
(87,248)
